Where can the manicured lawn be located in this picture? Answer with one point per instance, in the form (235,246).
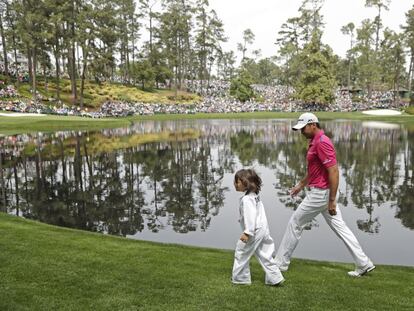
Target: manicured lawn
(44,267)
(16,125)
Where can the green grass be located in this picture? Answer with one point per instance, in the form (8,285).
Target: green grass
(95,94)
(17,125)
(279,115)
(410,110)
(49,268)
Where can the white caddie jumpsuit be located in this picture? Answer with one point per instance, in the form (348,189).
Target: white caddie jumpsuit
(253,222)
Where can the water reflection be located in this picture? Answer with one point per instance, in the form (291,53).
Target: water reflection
(158,175)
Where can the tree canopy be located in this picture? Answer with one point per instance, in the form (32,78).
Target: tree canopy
(103,40)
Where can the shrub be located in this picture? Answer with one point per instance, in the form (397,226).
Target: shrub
(241,88)
(409,110)
(356,98)
(182,97)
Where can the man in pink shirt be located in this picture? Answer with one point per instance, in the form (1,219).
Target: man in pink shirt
(322,179)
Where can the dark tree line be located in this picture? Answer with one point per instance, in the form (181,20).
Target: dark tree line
(101,40)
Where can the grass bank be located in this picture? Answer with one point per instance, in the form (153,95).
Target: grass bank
(97,93)
(16,125)
(49,268)
(279,115)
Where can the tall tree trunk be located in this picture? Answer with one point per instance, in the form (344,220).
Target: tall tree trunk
(78,67)
(397,79)
(410,70)
(180,62)
(176,60)
(72,68)
(175,82)
(121,65)
(83,75)
(65,68)
(378,21)
(72,57)
(410,77)
(209,73)
(13,32)
(349,66)
(15,61)
(3,41)
(57,65)
(45,78)
(126,51)
(150,31)
(127,64)
(29,64)
(34,82)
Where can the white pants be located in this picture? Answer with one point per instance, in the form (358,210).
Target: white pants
(263,247)
(315,202)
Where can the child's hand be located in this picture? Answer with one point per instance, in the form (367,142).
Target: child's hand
(244,238)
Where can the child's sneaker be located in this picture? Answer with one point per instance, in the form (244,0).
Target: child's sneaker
(279,283)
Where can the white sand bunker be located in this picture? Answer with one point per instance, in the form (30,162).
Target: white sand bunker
(380,125)
(382,112)
(22,114)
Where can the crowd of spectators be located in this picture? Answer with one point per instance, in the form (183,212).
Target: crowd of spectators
(14,70)
(8,91)
(215,99)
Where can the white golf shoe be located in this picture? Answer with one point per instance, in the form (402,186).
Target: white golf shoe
(362,271)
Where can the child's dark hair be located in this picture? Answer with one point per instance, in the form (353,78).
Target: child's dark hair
(249,179)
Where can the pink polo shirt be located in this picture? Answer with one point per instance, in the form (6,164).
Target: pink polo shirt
(321,155)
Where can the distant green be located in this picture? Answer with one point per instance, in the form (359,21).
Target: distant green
(43,267)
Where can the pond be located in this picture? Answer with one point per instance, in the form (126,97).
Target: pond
(172,181)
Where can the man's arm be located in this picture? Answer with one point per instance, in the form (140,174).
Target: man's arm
(299,187)
(333,176)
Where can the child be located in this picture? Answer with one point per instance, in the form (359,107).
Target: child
(255,238)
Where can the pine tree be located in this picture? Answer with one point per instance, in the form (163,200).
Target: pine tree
(348,29)
(317,81)
(408,29)
(241,86)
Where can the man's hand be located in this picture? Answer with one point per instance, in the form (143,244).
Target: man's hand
(296,189)
(244,238)
(332,207)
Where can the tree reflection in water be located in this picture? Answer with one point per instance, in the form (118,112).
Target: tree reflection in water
(171,174)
